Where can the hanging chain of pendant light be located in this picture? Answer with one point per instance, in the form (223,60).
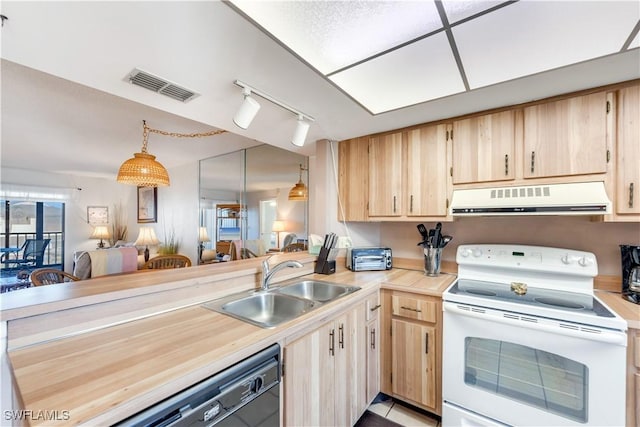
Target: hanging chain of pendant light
(143,169)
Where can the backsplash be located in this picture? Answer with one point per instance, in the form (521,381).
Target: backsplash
(562,232)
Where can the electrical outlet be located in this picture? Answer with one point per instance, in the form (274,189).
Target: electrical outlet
(344,242)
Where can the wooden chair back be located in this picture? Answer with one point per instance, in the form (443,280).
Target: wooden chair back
(167,261)
(295,247)
(51,276)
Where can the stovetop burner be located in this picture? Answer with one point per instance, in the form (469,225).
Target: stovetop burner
(559,303)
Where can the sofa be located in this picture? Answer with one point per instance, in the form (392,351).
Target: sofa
(101,262)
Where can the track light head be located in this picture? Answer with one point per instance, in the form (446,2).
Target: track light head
(247,111)
(300,133)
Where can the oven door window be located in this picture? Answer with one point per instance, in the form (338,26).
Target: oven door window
(534,377)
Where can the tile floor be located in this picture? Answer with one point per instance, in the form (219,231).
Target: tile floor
(401,413)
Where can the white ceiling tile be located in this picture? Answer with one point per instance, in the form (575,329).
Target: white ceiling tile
(531,36)
(457,10)
(331,35)
(416,73)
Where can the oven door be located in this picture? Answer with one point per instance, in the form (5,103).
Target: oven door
(525,371)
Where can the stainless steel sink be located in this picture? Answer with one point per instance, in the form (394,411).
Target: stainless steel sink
(316,290)
(264,309)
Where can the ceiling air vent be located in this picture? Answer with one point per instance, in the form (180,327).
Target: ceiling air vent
(160,85)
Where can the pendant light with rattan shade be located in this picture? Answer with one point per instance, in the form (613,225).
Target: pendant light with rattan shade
(143,169)
(299,192)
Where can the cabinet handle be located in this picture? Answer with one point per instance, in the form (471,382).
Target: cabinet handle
(426,343)
(373,339)
(394,204)
(411,309)
(341,336)
(533,161)
(631,195)
(411,204)
(332,342)
(375,308)
(506,164)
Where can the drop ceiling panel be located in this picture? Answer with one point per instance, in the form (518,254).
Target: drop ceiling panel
(530,37)
(416,73)
(458,10)
(331,35)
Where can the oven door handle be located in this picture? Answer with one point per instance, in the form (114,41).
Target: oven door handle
(611,337)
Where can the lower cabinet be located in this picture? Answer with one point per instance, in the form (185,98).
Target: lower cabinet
(633,378)
(325,373)
(413,357)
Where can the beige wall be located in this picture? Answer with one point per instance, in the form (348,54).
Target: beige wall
(563,232)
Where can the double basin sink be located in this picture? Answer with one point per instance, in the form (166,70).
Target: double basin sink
(268,309)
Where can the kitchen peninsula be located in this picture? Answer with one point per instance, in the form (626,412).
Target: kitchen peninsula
(101,350)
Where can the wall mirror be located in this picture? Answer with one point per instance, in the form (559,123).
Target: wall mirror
(245,209)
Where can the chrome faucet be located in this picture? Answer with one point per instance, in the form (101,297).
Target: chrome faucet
(267,272)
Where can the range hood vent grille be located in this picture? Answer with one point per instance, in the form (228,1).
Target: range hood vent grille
(160,85)
(578,198)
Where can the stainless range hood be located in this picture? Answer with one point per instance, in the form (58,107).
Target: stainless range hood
(580,198)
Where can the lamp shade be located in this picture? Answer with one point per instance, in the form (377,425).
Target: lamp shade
(247,112)
(300,133)
(143,170)
(278,225)
(202,235)
(146,236)
(100,232)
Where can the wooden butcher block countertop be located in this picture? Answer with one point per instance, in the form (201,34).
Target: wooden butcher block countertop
(104,376)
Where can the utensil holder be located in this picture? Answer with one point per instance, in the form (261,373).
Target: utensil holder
(323,265)
(432,261)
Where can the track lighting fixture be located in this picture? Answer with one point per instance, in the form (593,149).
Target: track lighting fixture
(250,107)
(247,111)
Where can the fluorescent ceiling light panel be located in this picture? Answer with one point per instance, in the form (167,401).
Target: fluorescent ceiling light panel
(458,10)
(331,35)
(416,73)
(530,37)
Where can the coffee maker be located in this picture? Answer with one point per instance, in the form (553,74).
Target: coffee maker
(630,255)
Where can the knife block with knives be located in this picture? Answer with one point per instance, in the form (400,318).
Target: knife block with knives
(326,262)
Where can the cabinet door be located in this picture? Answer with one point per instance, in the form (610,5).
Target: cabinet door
(385,175)
(373,359)
(426,189)
(414,361)
(354,379)
(425,310)
(353,179)
(566,137)
(628,152)
(483,148)
(309,380)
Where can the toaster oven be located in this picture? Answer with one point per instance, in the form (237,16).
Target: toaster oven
(367,259)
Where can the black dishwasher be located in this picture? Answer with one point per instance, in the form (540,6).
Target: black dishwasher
(245,394)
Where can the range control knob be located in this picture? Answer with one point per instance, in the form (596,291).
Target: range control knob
(585,262)
(465,252)
(566,259)
(477,253)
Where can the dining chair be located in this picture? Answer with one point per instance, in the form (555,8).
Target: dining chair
(167,261)
(32,253)
(50,276)
(295,247)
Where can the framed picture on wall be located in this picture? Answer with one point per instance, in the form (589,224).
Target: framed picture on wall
(98,215)
(147,204)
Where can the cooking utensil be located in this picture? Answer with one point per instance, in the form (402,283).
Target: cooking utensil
(423,231)
(445,240)
(437,233)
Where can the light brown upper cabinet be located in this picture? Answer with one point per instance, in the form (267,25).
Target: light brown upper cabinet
(408,173)
(483,148)
(386,175)
(426,190)
(566,137)
(353,179)
(628,151)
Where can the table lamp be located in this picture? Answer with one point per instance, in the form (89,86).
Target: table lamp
(202,237)
(146,237)
(100,232)
(278,226)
